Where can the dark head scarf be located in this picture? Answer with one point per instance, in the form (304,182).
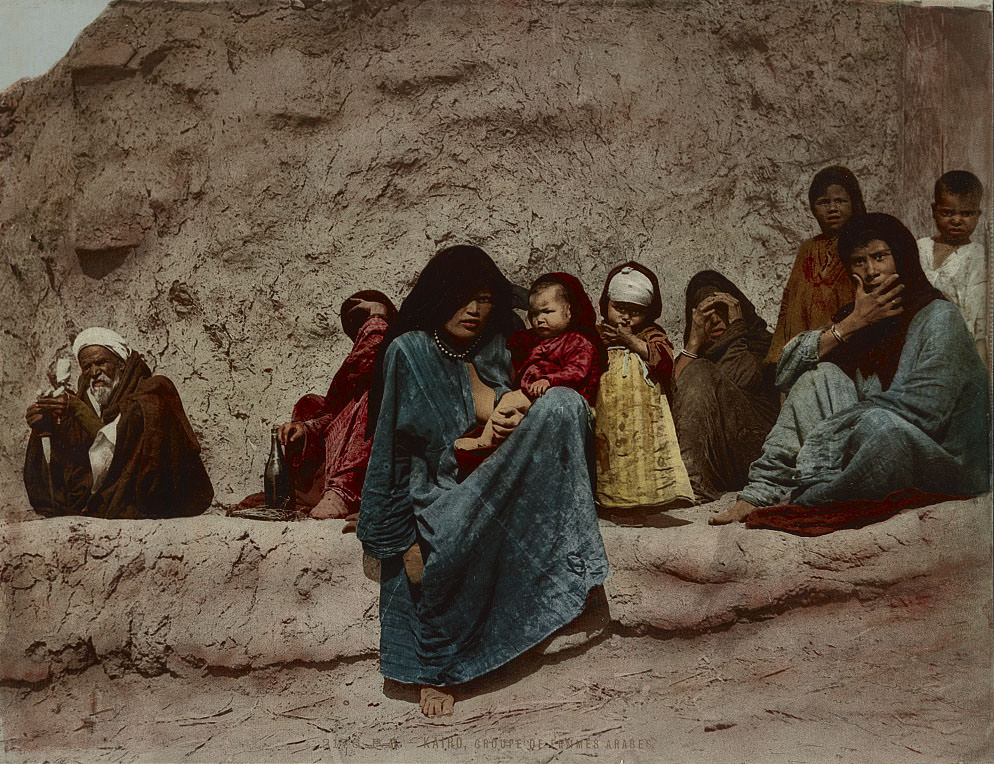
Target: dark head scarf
(352,321)
(450,280)
(706,283)
(877,348)
(655,306)
(837,175)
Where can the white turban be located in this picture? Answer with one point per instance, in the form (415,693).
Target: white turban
(106,338)
(632,286)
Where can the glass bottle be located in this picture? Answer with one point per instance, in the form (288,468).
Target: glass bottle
(276,478)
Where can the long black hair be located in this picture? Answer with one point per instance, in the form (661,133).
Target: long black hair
(450,280)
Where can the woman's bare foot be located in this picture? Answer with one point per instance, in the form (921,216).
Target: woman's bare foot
(414,564)
(331,506)
(739,511)
(350,523)
(436,702)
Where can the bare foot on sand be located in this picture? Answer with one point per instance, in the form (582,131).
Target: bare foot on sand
(739,511)
(331,506)
(436,702)
(350,523)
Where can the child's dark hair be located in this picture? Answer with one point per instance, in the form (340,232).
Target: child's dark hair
(837,175)
(549,282)
(960,183)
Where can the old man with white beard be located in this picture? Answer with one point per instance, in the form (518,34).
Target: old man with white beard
(121,448)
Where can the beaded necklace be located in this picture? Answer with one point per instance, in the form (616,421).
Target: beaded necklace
(450,353)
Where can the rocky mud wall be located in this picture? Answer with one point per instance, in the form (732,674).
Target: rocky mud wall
(216,595)
(213,178)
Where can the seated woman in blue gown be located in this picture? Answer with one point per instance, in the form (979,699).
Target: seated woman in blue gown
(473,573)
(891,396)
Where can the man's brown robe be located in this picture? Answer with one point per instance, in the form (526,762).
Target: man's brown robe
(156,470)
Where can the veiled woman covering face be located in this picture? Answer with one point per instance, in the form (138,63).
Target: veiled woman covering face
(891,396)
(724,400)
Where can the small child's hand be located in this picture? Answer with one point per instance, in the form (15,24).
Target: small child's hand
(537,389)
(625,334)
(616,335)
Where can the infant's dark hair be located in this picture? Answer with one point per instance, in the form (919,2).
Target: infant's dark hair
(960,183)
(544,283)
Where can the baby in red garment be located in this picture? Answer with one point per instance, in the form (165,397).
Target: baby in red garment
(561,349)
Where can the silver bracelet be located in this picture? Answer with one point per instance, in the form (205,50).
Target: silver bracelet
(689,354)
(838,337)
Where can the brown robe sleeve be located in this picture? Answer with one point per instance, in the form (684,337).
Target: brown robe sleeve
(156,471)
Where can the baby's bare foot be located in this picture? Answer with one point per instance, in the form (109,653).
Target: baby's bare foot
(739,511)
(436,702)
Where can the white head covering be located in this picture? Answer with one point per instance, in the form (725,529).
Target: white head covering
(630,285)
(106,338)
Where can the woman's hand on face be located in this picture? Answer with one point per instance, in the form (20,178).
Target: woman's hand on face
(291,431)
(509,412)
(734,308)
(702,321)
(369,307)
(881,303)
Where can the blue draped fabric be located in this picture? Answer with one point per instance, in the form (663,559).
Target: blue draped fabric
(510,553)
(839,438)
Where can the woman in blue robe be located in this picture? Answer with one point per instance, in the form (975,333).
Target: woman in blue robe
(473,572)
(891,396)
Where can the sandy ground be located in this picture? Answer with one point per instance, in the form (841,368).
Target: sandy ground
(903,678)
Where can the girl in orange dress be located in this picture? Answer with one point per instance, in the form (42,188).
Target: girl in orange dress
(818,285)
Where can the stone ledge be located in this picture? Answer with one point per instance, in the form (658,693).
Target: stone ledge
(696,577)
(215,594)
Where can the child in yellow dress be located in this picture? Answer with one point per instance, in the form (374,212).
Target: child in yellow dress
(638,457)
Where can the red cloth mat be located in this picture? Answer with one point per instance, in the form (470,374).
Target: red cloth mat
(855,513)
